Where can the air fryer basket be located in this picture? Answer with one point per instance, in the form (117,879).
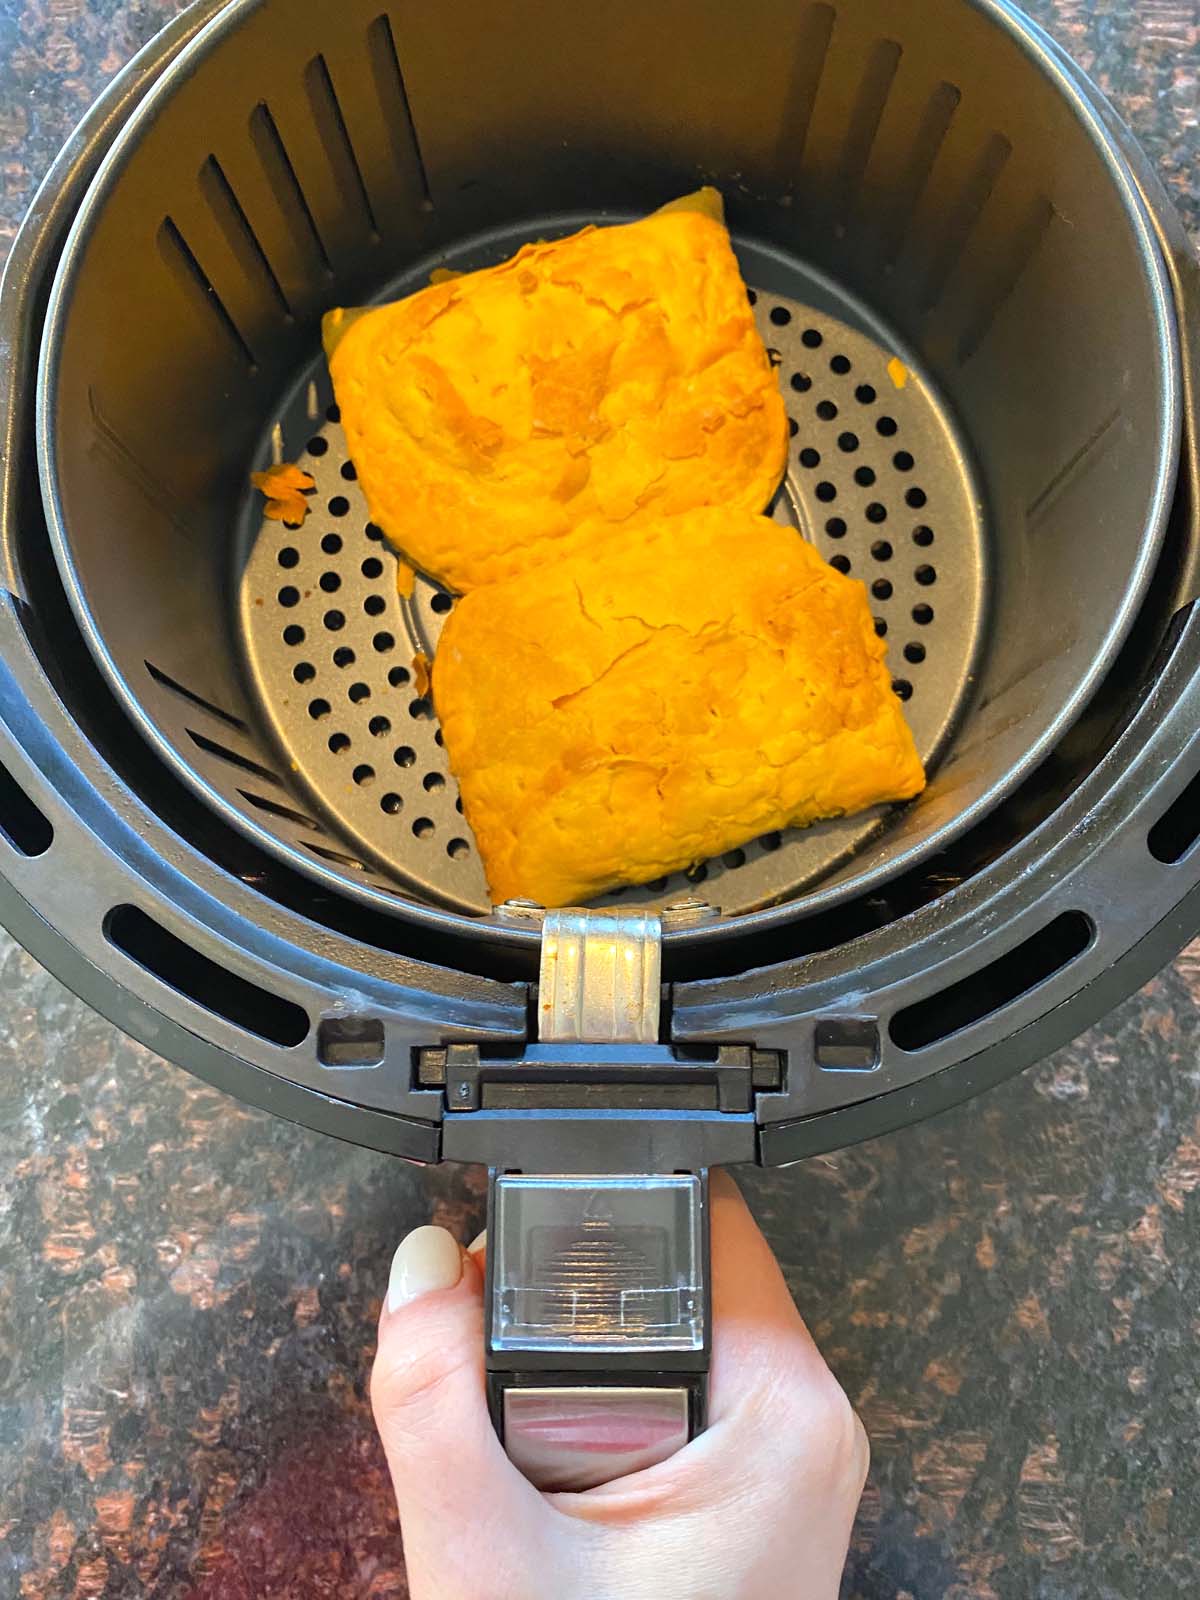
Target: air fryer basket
(933,183)
(903,183)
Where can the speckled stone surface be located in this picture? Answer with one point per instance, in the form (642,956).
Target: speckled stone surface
(1011,1293)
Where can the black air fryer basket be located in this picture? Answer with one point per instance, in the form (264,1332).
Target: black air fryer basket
(230,823)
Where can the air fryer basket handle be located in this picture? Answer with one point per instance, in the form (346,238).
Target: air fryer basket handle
(597,1299)
(597,1321)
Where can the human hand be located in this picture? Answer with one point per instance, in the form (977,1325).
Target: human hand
(759,1507)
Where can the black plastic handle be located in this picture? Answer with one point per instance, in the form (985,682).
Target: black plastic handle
(597,1321)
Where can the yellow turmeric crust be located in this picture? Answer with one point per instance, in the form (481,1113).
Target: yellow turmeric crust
(612,377)
(662,696)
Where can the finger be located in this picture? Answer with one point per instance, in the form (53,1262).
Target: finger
(776,1411)
(770,1384)
(760,1340)
(429,1400)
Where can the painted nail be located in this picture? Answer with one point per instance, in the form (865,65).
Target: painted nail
(427,1260)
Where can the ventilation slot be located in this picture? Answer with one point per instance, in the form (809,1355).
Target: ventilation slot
(393,100)
(964,216)
(1011,268)
(331,126)
(864,122)
(1178,829)
(241,237)
(223,753)
(281,175)
(906,195)
(812,47)
(21,823)
(350,1042)
(284,813)
(971,999)
(193,975)
(197,285)
(193,698)
(336,856)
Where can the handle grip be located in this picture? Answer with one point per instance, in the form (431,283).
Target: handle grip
(597,1321)
(565,1434)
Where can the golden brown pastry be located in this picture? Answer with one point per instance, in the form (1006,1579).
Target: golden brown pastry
(661,696)
(612,377)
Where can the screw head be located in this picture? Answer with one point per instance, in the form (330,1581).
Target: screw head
(685,913)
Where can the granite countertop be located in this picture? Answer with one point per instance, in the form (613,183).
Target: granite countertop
(1010,1293)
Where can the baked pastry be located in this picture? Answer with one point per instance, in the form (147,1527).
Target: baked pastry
(668,691)
(613,377)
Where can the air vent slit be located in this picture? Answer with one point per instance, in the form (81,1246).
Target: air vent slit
(21,822)
(230,217)
(927,147)
(1011,268)
(808,68)
(993,987)
(194,975)
(233,758)
(873,93)
(178,256)
(336,856)
(286,185)
(285,813)
(194,699)
(335,137)
(1177,831)
(963,217)
(392,93)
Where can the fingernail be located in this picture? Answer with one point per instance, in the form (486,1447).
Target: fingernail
(478,1243)
(427,1260)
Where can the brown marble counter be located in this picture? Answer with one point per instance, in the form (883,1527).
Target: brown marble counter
(1011,1293)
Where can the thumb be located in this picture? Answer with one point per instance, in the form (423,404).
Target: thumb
(428,1396)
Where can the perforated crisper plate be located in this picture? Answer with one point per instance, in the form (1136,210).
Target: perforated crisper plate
(877,478)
